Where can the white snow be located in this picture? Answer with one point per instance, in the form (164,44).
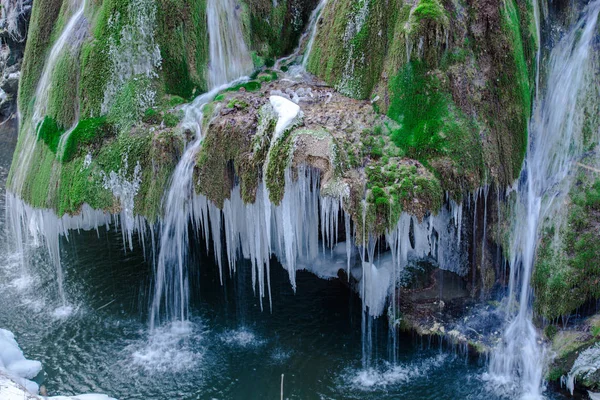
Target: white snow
(16,372)
(14,364)
(287,112)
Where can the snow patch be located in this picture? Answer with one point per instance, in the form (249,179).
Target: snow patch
(16,372)
(287,112)
(14,364)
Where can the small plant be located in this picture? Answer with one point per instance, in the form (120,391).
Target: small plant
(171,120)
(551,331)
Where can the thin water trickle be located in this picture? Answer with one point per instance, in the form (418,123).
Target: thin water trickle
(517,364)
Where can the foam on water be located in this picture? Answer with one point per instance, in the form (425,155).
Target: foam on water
(388,374)
(63,312)
(242,337)
(171,348)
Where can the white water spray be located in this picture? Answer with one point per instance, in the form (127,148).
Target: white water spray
(517,364)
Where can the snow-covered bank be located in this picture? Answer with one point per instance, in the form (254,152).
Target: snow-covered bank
(16,373)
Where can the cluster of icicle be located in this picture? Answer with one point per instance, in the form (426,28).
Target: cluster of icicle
(292,230)
(586,364)
(33,227)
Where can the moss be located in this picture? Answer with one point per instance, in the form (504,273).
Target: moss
(50,132)
(550,331)
(251,86)
(272,32)
(128,107)
(95,70)
(396,186)
(567,270)
(87,132)
(555,374)
(183,40)
(279,159)
(171,120)
(62,97)
(237,103)
(151,116)
(432,129)
(94,75)
(430,10)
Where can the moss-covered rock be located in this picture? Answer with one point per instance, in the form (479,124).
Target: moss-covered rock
(478,55)
(567,270)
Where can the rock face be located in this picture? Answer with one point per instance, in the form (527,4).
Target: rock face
(14,21)
(471,62)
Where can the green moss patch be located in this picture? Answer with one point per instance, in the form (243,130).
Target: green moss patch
(567,271)
(50,132)
(87,132)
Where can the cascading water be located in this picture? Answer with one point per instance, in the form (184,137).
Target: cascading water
(555,143)
(41,97)
(312,28)
(19,220)
(229,57)
(229,60)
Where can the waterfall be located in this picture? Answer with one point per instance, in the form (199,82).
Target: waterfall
(312,28)
(19,217)
(555,143)
(41,97)
(229,59)
(228,54)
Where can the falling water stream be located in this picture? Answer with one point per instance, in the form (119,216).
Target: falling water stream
(30,140)
(229,61)
(555,144)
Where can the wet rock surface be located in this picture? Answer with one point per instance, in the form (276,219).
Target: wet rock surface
(14,20)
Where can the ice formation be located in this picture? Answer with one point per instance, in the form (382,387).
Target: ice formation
(10,13)
(16,373)
(287,112)
(290,231)
(585,365)
(125,190)
(33,227)
(14,364)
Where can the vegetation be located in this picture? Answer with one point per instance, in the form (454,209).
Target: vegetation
(49,132)
(567,270)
